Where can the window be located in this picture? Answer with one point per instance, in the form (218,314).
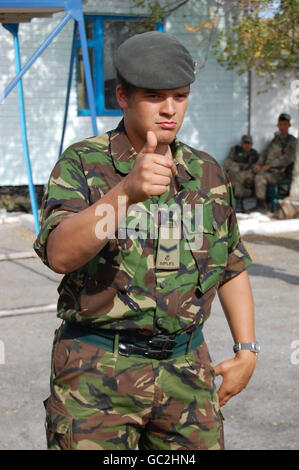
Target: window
(104,35)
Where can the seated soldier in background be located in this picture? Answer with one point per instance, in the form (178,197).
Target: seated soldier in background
(275,162)
(238,165)
(288,208)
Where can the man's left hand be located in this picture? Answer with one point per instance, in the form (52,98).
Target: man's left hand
(236,373)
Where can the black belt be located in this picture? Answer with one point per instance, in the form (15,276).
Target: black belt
(132,344)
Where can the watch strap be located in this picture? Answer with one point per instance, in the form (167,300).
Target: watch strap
(252,346)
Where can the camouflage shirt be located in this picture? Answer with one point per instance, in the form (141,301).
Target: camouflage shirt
(238,160)
(121,288)
(280,153)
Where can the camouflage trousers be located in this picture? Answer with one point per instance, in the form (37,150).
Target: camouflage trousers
(262,180)
(242,182)
(102,400)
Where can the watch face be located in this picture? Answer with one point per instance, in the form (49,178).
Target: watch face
(256,347)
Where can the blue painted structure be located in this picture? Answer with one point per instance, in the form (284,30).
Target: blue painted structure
(96,43)
(13,29)
(73,10)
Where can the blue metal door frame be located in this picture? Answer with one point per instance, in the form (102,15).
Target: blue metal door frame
(73,9)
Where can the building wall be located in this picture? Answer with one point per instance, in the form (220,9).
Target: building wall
(266,107)
(215,120)
(44,94)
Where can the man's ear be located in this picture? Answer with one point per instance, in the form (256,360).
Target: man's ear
(121,97)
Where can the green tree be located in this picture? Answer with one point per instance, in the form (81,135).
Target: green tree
(262,37)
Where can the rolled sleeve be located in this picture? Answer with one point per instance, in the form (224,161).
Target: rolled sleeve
(67,194)
(238,257)
(49,224)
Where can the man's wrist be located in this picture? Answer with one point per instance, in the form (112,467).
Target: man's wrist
(125,192)
(246,355)
(251,346)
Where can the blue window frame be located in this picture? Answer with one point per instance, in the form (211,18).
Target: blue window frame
(104,35)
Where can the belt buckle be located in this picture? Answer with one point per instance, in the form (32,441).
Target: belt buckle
(126,349)
(162,342)
(158,354)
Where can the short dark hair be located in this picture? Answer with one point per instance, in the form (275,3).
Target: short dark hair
(127,87)
(283,119)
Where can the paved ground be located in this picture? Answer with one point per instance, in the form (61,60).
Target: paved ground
(264,416)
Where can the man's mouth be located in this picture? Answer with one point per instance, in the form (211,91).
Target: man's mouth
(167,124)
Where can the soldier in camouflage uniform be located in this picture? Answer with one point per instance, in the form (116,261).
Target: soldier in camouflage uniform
(130,365)
(238,165)
(276,162)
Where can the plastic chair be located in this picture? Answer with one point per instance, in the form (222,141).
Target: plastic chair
(278,191)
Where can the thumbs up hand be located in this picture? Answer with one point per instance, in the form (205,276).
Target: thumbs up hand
(150,144)
(151,174)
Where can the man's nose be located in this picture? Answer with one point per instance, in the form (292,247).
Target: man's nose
(168,107)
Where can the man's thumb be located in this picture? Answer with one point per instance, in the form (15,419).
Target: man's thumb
(150,144)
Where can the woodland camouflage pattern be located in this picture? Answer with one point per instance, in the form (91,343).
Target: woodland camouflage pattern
(100,399)
(238,165)
(238,160)
(280,155)
(120,288)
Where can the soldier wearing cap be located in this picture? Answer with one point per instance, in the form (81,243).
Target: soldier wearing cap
(238,165)
(276,162)
(130,365)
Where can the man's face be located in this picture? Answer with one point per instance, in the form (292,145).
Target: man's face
(160,111)
(283,127)
(246,146)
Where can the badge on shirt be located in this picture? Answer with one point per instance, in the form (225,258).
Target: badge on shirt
(168,254)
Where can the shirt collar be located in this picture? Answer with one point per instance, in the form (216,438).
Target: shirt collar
(121,150)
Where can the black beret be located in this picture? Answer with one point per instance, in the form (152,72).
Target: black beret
(156,61)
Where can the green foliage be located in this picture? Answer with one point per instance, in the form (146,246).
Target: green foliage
(154,14)
(155,11)
(259,42)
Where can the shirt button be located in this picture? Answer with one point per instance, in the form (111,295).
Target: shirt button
(159,322)
(162,284)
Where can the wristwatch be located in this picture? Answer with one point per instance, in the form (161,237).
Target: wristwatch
(254,346)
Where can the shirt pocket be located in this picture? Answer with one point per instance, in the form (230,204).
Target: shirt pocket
(107,289)
(107,269)
(210,249)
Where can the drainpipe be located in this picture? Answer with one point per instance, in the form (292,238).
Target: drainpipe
(249,88)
